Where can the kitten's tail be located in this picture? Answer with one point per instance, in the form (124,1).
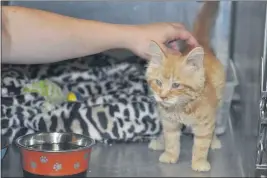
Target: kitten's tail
(204,22)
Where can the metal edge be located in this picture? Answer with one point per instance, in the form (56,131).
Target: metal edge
(93,142)
(259,168)
(264,58)
(232,29)
(5,152)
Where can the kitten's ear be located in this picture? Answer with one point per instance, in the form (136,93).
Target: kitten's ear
(195,58)
(155,53)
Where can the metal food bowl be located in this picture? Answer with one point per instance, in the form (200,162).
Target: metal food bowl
(4,146)
(55,154)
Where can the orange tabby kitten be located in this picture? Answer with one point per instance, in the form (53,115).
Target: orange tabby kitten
(188,89)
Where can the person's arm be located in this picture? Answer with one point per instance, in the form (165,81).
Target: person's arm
(34,36)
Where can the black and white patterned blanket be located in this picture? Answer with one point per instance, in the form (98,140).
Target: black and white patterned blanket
(118,106)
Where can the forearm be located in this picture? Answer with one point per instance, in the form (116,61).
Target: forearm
(37,36)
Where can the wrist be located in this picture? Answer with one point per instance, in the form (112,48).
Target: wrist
(106,36)
(124,36)
(134,39)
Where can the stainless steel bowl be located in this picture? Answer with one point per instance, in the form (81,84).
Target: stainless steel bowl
(55,142)
(55,154)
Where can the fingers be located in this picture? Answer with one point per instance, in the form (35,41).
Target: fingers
(172,48)
(178,25)
(173,45)
(187,36)
(181,33)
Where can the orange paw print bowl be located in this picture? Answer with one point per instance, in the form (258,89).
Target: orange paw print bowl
(55,154)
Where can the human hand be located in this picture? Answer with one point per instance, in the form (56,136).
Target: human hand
(162,34)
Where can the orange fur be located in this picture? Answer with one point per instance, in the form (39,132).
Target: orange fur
(188,88)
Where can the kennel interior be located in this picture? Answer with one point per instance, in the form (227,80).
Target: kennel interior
(239,40)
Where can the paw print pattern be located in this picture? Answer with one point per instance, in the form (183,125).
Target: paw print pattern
(76,165)
(43,159)
(57,166)
(33,165)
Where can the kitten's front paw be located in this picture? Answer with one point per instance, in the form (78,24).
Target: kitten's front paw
(168,158)
(201,166)
(216,144)
(156,145)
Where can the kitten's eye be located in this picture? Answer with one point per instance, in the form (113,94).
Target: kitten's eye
(158,83)
(175,85)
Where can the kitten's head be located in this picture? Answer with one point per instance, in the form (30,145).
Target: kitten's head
(175,79)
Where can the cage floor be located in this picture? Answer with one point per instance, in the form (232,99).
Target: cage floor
(136,160)
(121,160)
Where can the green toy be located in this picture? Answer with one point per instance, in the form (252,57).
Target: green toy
(52,93)
(49,90)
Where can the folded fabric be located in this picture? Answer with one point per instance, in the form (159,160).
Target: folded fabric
(108,102)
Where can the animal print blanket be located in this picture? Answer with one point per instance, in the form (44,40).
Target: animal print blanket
(118,106)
